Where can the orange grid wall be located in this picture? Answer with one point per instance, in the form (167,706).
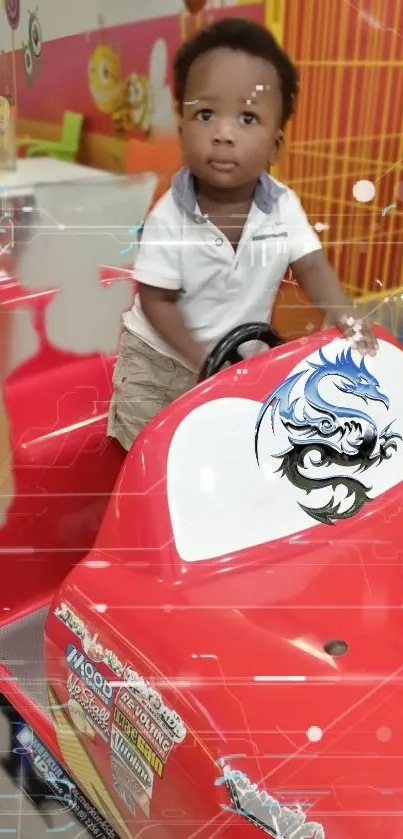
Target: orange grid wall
(348,127)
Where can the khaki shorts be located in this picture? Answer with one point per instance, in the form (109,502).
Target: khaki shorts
(144,382)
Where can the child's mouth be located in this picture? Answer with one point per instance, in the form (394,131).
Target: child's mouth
(222,165)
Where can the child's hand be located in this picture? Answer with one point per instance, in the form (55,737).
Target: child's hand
(359,333)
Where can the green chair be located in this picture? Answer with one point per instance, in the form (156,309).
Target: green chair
(64,149)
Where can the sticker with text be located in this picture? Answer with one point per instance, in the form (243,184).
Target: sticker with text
(89,640)
(138,742)
(128,800)
(62,789)
(125,779)
(89,674)
(86,710)
(152,701)
(145,723)
(132,760)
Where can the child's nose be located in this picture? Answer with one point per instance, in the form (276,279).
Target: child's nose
(224,132)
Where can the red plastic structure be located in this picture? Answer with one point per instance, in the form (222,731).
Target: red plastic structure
(227,655)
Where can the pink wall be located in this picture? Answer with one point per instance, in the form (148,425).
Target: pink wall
(62,83)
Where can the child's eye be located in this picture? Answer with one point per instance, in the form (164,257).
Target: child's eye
(205,115)
(248,119)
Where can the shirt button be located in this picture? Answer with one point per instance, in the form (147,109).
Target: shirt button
(219,241)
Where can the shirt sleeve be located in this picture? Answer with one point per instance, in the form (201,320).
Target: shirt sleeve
(157,262)
(303,239)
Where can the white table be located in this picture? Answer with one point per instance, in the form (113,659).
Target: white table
(33,171)
(39,182)
(76,230)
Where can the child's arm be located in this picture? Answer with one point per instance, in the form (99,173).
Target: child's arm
(160,309)
(315,275)
(157,270)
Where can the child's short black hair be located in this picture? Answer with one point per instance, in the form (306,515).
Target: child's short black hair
(248,37)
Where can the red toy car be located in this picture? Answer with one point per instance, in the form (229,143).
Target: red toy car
(227,655)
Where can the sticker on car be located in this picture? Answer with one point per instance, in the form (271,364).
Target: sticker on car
(91,645)
(152,701)
(125,778)
(90,675)
(138,742)
(130,757)
(145,723)
(94,713)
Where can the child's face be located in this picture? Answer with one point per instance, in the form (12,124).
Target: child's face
(230,126)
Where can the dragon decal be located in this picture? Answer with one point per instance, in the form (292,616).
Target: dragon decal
(330,446)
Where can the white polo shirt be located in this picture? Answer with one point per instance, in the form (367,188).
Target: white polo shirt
(219,287)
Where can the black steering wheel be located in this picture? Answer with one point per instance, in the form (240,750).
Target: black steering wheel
(226,351)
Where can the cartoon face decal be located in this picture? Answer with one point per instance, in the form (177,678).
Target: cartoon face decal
(332,435)
(136,102)
(137,93)
(28,63)
(35,40)
(105,82)
(35,35)
(136,89)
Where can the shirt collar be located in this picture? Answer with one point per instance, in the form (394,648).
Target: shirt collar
(183,191)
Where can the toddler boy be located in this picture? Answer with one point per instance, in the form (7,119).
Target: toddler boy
(216,246)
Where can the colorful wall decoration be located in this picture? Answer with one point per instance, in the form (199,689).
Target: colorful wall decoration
(32,50)
(109,61)
(136,102)
(348,126)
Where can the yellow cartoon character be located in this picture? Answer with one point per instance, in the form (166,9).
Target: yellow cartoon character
(142,102)
(122,121)
(105,81)
(148,99)
(138,101)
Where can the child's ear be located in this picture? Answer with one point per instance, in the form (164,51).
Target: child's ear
(277,147)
